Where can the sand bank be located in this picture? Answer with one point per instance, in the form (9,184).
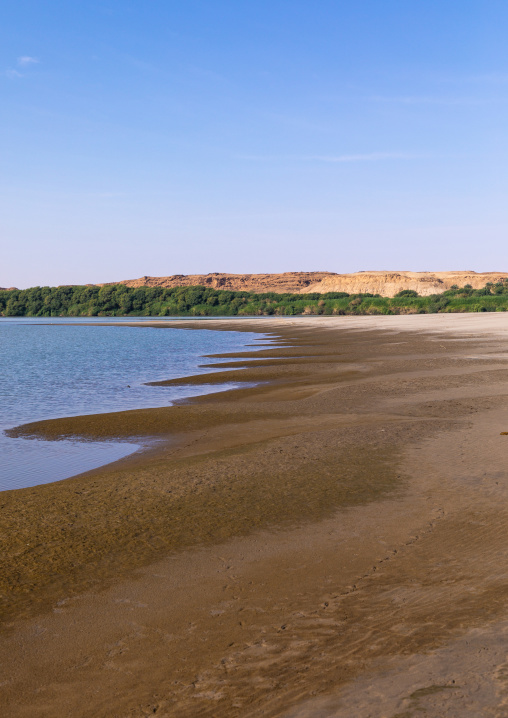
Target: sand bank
(341,525)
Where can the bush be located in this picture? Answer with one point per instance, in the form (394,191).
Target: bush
(407,293)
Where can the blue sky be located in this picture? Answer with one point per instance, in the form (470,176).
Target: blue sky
(164,137)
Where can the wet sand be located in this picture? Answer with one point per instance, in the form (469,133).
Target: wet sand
(330,542)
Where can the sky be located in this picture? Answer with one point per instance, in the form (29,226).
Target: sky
(163,137)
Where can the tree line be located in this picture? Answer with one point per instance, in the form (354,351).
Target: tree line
(117,300)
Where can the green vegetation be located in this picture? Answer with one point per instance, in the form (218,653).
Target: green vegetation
(117,300)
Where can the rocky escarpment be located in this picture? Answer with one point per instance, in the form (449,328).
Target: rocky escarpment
(286,282)
(385,283)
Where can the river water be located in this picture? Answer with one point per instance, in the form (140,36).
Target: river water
(52,368)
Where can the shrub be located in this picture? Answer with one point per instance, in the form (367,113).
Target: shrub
(407,293)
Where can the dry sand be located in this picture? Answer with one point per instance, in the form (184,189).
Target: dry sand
(332,542)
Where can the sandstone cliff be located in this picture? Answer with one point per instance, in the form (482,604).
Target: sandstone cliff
(385,283)
(295,282)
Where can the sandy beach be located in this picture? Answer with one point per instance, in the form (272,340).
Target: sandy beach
(328,540)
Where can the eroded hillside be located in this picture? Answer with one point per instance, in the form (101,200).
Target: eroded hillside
(387,284)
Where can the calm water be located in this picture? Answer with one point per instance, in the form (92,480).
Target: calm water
(54,370)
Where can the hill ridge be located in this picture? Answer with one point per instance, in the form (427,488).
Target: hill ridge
(387,283)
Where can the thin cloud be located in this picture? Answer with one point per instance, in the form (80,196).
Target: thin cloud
(12,74)
(25,60)
(486,78)
(363,157)
(430,100)
(367,157)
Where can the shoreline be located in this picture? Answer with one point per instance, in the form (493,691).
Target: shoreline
(47,394)
(372,406)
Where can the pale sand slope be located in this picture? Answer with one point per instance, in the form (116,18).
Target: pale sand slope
(394,608)
(386,283)
(467,325)
(389,283)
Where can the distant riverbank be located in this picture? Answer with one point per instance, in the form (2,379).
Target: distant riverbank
(118,300)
